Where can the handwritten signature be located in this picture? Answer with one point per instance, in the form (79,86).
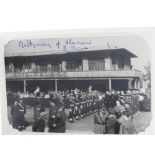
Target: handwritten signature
(72,42)
(67,44)
(29,43)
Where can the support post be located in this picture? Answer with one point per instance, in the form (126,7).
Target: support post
(135,84)
(56,85)
(138,83)
(130,84)
(24,86)
(110,88)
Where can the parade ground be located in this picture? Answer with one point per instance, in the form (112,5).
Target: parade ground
(86,125)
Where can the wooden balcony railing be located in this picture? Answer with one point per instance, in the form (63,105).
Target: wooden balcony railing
(75,74)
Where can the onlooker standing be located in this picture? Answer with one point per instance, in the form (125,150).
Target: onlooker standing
(52,119)
(127,125)
(18,111)
(40,115)
(15,115)
(99,121)
(141,102)
(110,124)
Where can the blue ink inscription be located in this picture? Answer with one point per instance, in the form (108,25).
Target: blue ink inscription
(71,42)
(30,44)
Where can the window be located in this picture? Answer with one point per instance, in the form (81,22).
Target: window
(43,67)
(74,66)
(97,64)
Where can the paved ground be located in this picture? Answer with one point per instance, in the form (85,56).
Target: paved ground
(85,125)
(141,122)
(82,125)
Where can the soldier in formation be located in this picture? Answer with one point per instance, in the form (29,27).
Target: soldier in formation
(83,105)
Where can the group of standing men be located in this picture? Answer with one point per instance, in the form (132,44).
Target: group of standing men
(117,113)
(55,117)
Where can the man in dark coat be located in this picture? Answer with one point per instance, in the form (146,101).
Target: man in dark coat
(15,115)
(56,120)
(76,112)
(40,115)
(100,121)
(110,124)
(52,117)
(107,100)
(18,111)
(71,113)
(81,110)
(22,110)
(61,124)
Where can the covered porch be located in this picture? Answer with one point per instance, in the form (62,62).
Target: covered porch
(99,84)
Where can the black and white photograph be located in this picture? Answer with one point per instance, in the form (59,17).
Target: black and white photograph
(99,84)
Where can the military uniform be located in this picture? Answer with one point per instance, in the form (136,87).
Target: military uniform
(52,118)
(56,122)
(18,111)
(100,122)
(40,115)
(71,113)
(107,101)
(76,112)
(110,124)
(81,110)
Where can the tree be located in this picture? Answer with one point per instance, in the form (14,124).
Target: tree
(147,75)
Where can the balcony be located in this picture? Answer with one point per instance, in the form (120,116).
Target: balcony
(75,74)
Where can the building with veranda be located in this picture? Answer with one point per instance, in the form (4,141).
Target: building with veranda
(103,69)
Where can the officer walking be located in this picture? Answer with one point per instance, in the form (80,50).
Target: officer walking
(57,118)
(39,115)
(52,117)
